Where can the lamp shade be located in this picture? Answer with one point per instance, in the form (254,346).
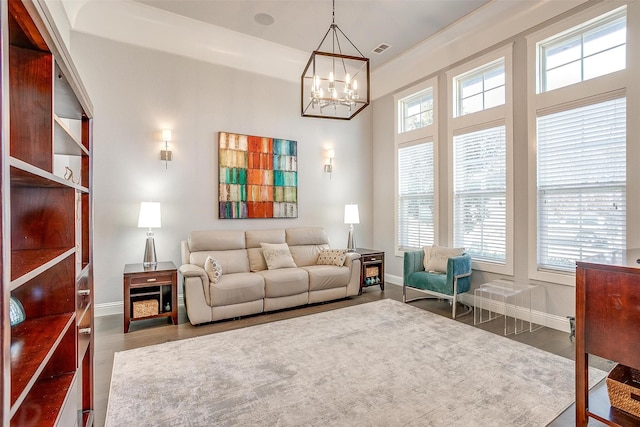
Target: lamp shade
(166,134)
(149,215)
(351,215)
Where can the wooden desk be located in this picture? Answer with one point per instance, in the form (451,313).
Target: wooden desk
(158,283)
(607,325)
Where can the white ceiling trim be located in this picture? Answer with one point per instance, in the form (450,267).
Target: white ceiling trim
(138,24)
(141,25)
(464,38)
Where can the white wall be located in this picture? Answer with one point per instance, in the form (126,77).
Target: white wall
(136,92)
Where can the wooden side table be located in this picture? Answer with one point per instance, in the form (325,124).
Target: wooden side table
(372,268)
(154,291)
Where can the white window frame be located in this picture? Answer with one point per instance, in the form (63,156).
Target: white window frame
(427,133)
(499,115)
(589,91)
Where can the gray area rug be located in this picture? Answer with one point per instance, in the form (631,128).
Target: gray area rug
(378,364)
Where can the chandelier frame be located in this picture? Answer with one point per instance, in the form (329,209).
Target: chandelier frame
(313,102)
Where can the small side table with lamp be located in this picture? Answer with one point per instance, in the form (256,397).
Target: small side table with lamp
(150,288)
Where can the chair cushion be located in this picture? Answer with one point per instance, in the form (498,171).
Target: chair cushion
(439,256)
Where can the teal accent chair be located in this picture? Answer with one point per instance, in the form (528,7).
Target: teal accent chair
(457,279)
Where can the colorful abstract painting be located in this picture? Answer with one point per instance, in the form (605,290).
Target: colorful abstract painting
(258,177)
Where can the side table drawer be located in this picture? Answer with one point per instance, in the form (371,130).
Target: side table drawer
(157,279)
(370,258)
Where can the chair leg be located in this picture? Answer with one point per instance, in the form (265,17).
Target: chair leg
(404,293)
(453,310)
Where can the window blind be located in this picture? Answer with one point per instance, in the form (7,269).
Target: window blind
(581,188)
(415,196)
(479,211)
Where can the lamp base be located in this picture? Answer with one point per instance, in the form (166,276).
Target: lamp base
(351,240)
(149,259)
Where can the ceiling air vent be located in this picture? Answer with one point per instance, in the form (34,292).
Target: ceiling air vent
(381,48)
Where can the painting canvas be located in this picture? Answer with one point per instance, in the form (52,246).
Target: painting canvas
(258,177)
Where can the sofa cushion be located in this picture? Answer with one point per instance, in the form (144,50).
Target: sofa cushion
(215,240)
(213,269)
(256,259)
(255,237)
(439,257)
(232,261)
(332,257)
(284,282)
(306,236)
(237,288)
(277,255)
(306,254)
(327,276)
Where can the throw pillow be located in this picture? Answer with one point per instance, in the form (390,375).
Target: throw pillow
(439,257)
(332,257)
(213,268)
(277,255)
(427,257)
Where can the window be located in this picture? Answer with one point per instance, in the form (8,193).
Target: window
(585,52)
(480,193)
(481,150)
(581,183)
(416,111)
(415,217)
(480,89)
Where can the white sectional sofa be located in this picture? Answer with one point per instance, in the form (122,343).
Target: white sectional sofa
(247,286)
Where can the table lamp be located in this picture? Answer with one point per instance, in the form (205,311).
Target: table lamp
(149,218)
(351,217)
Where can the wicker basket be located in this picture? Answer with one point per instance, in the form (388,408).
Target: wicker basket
(371,272)
(623,386)
(145,308)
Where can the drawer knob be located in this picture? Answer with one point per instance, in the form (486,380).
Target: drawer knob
(84,331)
(84,292)
(151,280)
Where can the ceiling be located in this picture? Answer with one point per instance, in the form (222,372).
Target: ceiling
(301,24)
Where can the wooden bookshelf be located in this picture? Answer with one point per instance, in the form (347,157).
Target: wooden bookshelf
(47,360)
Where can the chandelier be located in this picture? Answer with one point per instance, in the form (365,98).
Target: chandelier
(335,84)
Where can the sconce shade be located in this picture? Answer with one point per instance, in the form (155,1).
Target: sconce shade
(331,154)
(351,215)
(166,134)
(149,215)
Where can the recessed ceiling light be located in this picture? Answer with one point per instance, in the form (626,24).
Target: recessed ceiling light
(264,19)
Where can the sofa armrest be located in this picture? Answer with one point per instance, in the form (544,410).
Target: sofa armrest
(197,272)
(413,262)
(351,256)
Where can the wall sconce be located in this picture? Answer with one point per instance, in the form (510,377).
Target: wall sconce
(328,167)
(166,154)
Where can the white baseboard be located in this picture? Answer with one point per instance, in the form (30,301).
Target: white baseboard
(538,317)
(111,308)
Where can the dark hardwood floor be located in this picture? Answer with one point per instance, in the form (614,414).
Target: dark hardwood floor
(110,338)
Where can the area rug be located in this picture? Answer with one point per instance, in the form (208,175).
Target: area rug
(377,364)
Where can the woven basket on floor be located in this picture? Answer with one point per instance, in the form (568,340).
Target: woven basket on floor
(145,308)
(623,386)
